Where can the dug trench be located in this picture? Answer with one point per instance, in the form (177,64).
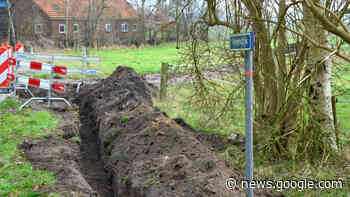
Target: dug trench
(128,148)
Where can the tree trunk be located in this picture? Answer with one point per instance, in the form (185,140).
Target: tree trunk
(278,97)
(177,25)
(265,73)
(320,69)
(282,45)
(288,116)
(11,26)
(143,20)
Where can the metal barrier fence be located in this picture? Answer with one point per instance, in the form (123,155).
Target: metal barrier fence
(28,60)
(15,64)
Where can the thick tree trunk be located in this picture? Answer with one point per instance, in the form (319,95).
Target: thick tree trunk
(320,79)
(265,72)
(270,86)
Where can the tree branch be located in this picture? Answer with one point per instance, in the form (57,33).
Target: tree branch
(328,25)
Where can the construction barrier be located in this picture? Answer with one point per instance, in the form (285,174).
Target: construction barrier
(4,68)
(7,66)
(13,61)
(44,67)
(40,83)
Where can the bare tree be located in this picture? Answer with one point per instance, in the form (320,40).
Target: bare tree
(95,11)
(143,19)
(334,19)
(141,6)
(292,98)
(11,27)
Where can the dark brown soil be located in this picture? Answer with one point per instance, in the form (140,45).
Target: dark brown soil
(77,166)
(92,164)
(145,152)
(63,158)
(128,148)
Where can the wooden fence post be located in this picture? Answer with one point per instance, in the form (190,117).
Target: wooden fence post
(164,81)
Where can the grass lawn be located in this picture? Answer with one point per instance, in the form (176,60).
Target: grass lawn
(144,60)
(341,88)
(17,178)
(178,106)
(343,113)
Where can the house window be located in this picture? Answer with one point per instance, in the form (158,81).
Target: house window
(76,28)
(124,27)
(108,28)
(134,27)
(38,28)
(62,28)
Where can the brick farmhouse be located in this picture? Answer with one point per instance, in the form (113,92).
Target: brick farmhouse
(66,20)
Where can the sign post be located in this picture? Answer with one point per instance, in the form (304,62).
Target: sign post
(245,42)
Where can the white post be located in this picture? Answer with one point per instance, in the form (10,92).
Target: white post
(50,83)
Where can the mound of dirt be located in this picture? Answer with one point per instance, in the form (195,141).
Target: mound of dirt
(145,152)
(62,157)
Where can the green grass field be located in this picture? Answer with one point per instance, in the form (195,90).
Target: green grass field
(143,60)
(341,87)
(17,178)
(178,105)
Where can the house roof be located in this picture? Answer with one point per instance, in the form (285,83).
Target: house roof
(79,8)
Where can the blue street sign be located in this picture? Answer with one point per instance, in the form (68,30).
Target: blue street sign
(3,4)
(242,42)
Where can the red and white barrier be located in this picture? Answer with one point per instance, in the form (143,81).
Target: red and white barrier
(19,48)
(4,66)
(7,67)
(40,83)
(13,60)
(44,67)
